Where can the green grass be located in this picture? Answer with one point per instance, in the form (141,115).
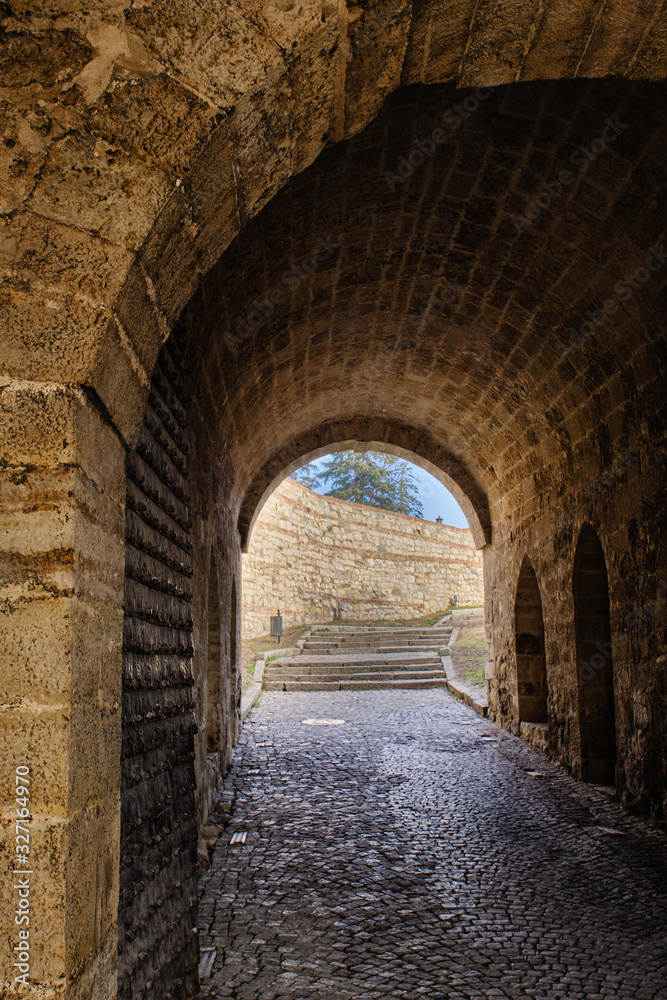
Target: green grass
(474,675)
(469,657)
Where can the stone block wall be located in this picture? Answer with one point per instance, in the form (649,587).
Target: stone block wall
(308,552)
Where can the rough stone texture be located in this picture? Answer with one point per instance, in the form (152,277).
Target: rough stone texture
(157,948)
(418,851)
(184,120)
(61,500)
(308,552)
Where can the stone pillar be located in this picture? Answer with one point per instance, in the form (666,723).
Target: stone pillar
(62,499)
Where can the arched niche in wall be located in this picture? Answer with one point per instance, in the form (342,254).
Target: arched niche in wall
(214,685)
(531,661)
(234,670)
(595,667)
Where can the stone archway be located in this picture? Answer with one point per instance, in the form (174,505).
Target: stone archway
(595,662)
(378,435)
(531,663)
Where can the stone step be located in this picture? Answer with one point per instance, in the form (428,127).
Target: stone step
(370,633)
(324,650)
(387,640)
(353,685)
(348,669)
(372,636)
(430,682)
(360,675)
(274,685)
(361,660)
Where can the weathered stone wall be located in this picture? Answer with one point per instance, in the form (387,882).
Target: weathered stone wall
(181,691)
(307,552)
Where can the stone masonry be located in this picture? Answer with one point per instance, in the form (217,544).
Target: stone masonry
(308,552)
(436,228)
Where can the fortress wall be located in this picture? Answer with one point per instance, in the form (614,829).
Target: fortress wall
(308,552)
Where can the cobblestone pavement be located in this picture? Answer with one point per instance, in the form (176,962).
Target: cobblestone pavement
(411,853)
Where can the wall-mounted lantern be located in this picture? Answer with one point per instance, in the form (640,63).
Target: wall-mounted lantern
(438,520)
(277,626)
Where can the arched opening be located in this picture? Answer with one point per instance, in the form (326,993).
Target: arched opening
(386,436)
(595,667)
(233,685)
(489,382)
(214,664)
(531,663)
(360,530)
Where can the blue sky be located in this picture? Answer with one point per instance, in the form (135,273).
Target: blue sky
(436,499)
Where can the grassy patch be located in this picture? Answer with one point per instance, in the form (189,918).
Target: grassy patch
(474,675)
(469,656)
(255,647)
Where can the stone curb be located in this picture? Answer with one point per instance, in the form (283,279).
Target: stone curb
(248,698)
(254,690)
(287,651)
(441,622)
(469,697)
(461,690)
(304,636)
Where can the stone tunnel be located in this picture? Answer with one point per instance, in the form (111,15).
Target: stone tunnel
(237,235)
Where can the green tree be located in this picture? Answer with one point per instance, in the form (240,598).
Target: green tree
(406,489)
(368,477)
(307,475)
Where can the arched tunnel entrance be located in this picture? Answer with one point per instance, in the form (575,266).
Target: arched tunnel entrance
(337,246)
(415,308)
(358,535)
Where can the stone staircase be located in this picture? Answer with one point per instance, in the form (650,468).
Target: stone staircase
(362,658)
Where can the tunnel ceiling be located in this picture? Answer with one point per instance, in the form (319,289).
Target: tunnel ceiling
(444,289)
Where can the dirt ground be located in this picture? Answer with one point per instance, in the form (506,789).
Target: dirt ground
(469,656)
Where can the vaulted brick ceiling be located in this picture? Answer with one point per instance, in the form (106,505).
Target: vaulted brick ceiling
(434,319)
(139,140)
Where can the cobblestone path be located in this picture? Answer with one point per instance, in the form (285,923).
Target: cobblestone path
(411,853)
